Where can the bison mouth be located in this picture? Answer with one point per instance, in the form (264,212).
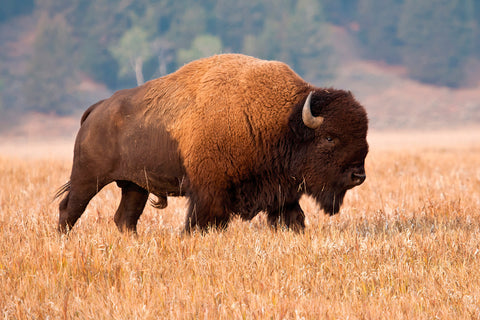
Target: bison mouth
(330,195)
(331,201)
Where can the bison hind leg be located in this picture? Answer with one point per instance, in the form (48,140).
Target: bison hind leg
(131,206)
(64,223)
(291,216)
(79,194)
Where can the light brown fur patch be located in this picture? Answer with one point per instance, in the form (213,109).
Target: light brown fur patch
(214,108)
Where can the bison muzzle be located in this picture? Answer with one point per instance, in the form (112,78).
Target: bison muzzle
(235,134)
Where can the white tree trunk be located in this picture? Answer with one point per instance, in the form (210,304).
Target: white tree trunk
(162,66)
(138,70)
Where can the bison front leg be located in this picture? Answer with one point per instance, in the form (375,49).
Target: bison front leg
(131,206)
(205,214)
(291,216)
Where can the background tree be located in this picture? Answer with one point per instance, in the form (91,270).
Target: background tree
(117,43)
(299,38)
(476,30)
(187,24)
(13,8)
(1,94)
(51,73)
(437,37)
(378,23)
(131,51)
(101,25)
(202,46)
(234,19)
(340,12)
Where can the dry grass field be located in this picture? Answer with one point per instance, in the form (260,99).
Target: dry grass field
(406,245)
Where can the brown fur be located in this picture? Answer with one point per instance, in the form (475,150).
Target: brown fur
(227,132)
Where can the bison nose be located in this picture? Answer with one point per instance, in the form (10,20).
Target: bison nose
(358,178)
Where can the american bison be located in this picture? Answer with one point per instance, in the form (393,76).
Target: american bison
(235,134)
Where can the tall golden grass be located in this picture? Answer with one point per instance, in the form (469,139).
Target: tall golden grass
(406,245)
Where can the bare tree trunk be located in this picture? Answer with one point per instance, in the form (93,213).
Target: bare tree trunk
(162,66)
(138,70)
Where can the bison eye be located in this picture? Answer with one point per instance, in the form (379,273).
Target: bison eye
(330,141)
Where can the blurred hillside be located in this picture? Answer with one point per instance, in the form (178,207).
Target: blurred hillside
(412,64)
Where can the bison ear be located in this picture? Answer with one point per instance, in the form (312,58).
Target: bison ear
(324,97)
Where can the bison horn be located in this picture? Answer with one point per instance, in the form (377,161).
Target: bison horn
(308,119)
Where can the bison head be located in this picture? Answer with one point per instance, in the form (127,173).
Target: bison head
(330,127)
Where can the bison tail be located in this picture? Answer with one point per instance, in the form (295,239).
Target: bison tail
(62,190)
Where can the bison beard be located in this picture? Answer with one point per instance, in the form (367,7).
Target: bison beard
(235,134)
(331,201)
